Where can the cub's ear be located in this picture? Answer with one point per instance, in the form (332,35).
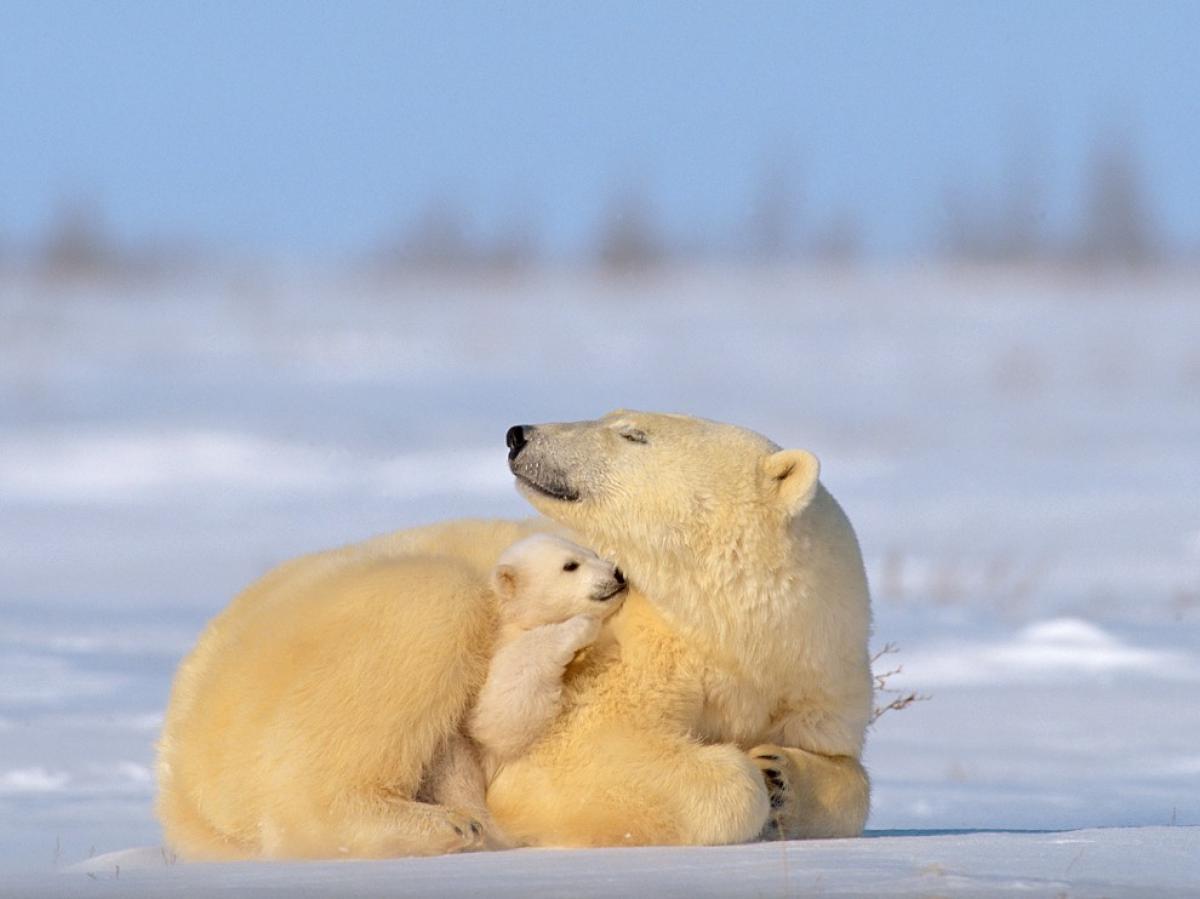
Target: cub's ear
(792,476)
(504,581)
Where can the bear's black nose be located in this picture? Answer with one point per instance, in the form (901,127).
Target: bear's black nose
(618,576)
(516,439)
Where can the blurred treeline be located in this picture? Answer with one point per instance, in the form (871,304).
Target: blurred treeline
(995,223)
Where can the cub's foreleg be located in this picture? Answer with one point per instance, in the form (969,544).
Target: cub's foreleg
(523,690)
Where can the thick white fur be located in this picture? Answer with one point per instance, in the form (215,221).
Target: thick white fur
(741,648)
(523,690)
(552,596)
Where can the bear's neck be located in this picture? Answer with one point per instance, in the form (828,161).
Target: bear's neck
(758,603)
(736,622)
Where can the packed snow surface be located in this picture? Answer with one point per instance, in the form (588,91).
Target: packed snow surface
(1020,456)
(1151,861)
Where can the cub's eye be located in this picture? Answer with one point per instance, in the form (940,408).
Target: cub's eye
(634,436)
(571,566)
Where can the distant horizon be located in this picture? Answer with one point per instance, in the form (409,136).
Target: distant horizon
(284,129)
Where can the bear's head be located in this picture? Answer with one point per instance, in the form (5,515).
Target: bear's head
(544,579)
(658,493)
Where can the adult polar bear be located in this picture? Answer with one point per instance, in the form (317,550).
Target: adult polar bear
(727,699)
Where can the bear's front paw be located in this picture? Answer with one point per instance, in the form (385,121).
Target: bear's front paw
(777,770)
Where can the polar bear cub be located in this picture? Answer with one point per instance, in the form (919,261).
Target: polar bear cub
(551,598)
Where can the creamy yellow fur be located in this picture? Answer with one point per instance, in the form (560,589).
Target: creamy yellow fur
(742,648)
(303,722)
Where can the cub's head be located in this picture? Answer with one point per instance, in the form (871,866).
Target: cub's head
(544,579)
(650,489)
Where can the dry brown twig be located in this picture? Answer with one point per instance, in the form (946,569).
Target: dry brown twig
(902,698)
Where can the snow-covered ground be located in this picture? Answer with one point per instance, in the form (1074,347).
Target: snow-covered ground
(1152,861)
(1021,457)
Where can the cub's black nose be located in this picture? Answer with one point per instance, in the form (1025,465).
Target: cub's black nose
(516,439)
(618,576)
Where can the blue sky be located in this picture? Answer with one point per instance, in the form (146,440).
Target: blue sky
(314,128)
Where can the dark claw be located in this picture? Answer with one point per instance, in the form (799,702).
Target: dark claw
(777,800)
(769,758)
(475,828)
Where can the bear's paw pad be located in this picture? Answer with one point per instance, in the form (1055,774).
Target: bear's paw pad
(775,767)
(455,831)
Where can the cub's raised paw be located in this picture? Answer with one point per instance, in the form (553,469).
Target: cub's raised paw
(575,633)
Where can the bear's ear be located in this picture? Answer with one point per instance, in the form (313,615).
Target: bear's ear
(504,581)
(792,476)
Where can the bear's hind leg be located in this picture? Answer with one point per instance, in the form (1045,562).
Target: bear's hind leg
(377,827)
(406,827)
(189,835)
